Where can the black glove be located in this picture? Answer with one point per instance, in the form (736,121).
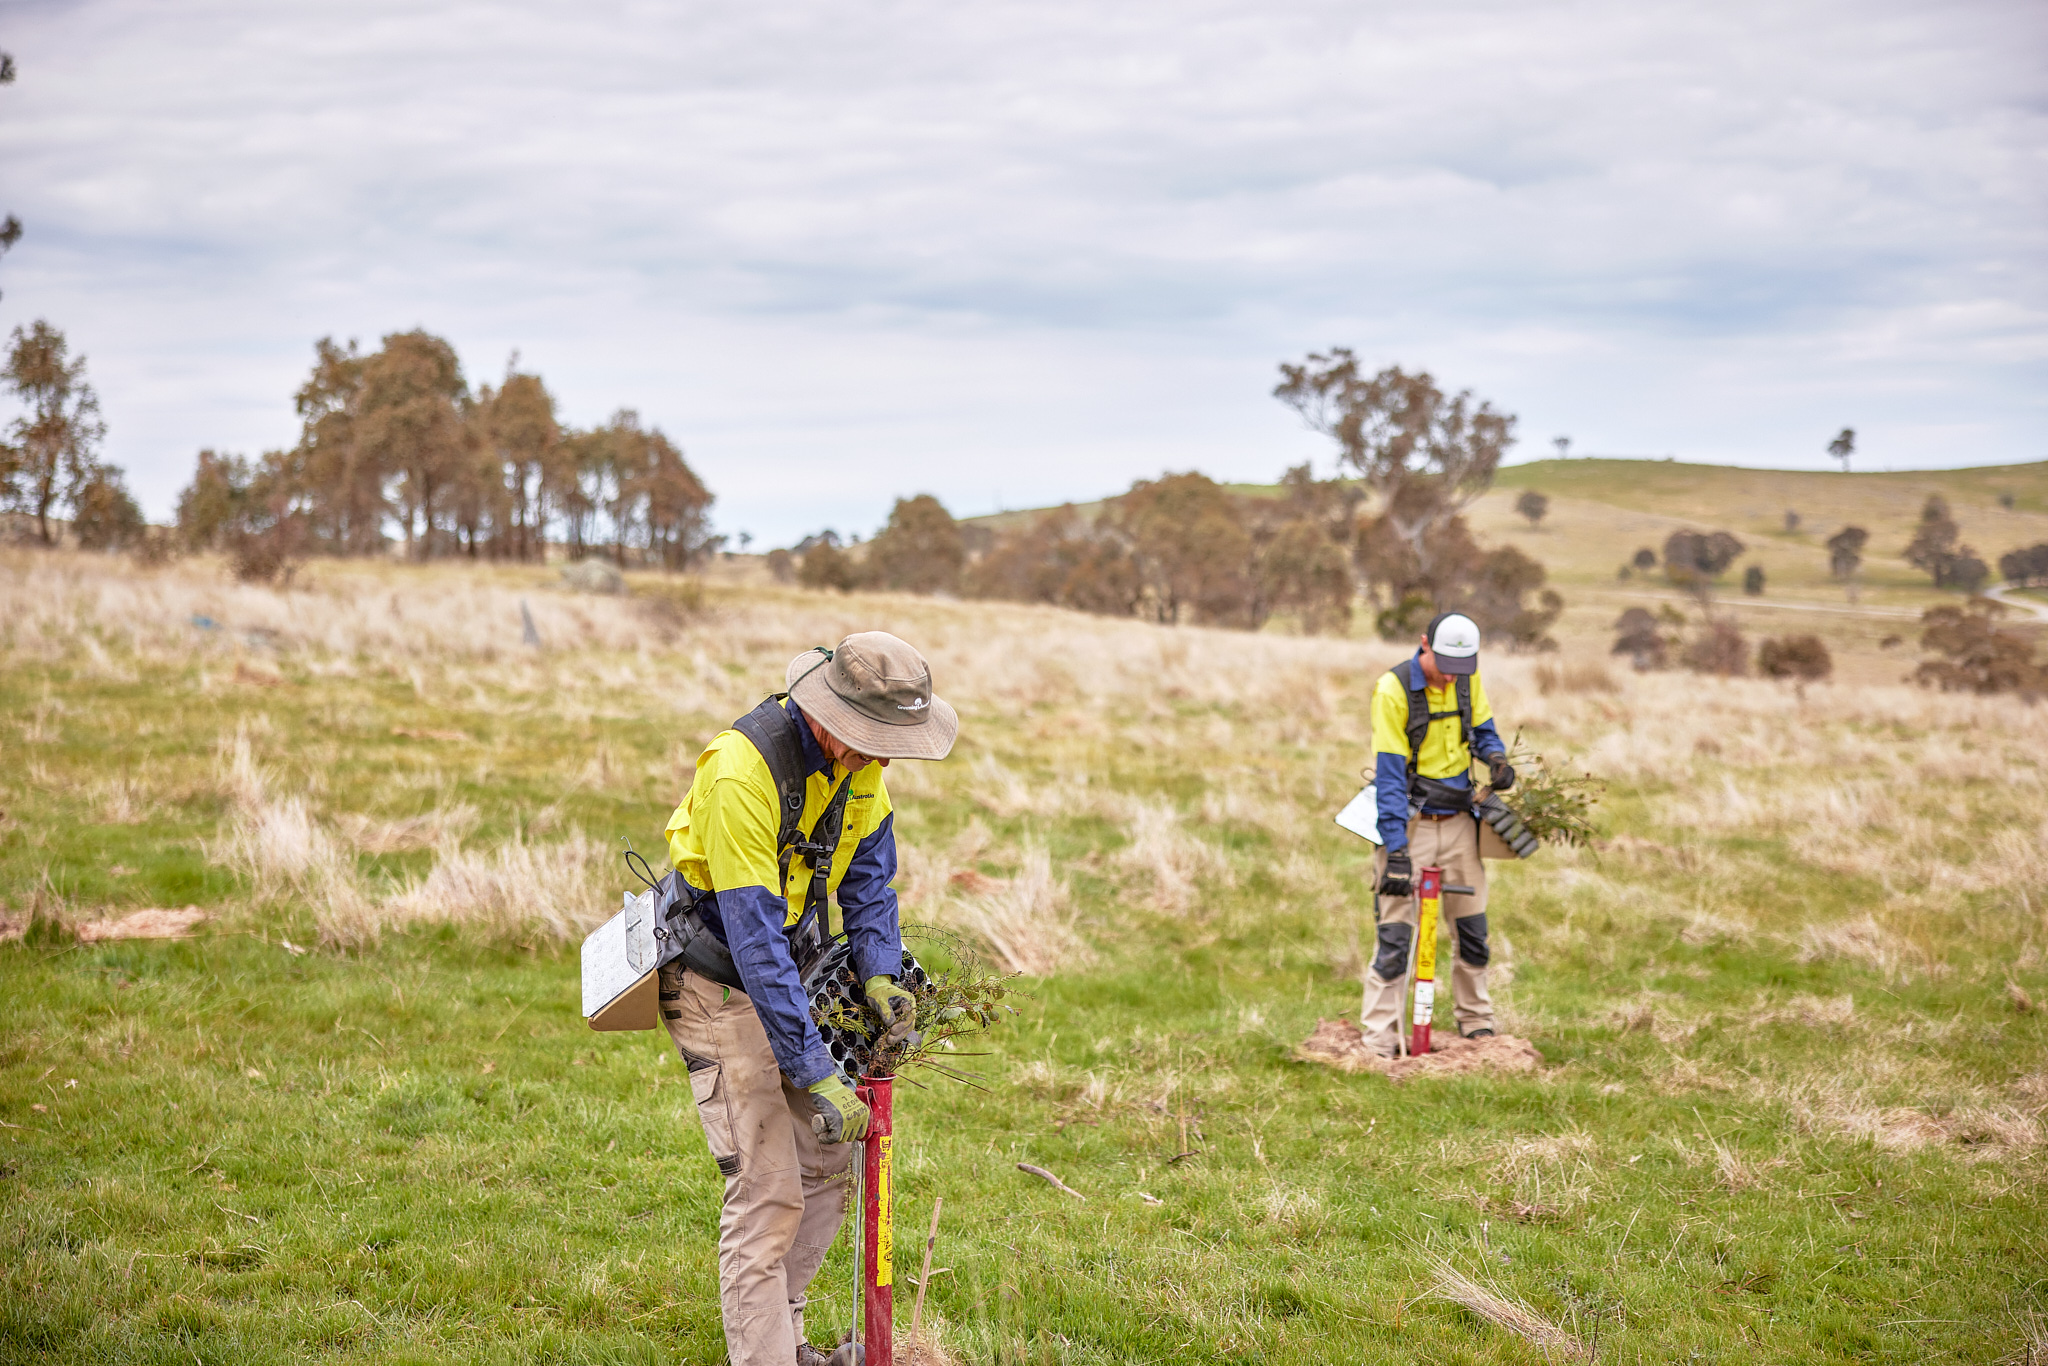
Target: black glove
(1503,772)
(1399,879)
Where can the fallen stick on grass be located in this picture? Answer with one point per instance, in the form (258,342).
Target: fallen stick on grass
(1043,1174)
(930,1241)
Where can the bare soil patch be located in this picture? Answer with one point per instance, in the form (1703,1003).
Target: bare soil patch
(1338,1043)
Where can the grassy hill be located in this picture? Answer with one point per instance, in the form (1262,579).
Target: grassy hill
(1602,511)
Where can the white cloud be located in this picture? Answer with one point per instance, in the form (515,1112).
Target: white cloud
(843,252)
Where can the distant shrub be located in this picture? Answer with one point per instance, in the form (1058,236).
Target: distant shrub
(1801,657)
(1406,619)
(781,565)
(1532,505)
(825,565)
(270,553)
(1791,520)
(1717,649)
(1974,655)
(1501,580)
(215,501)
(1637,636)
(1965,573)
(1753,580)
(1695,557)
(920,550)
(104,515)
(2005,500)
(2026,568)
(1645,559)
(1845,551)
(1934,548)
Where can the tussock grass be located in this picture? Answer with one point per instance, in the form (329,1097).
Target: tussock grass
(1027,921)
(1504,1313)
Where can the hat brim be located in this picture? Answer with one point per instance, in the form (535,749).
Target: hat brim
(1454,664)
(929,738)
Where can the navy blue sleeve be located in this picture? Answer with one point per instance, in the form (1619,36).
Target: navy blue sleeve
(1486,741)
(867,903)
(1390,788)
(752,918)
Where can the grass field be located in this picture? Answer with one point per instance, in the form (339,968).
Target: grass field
(1795,1080)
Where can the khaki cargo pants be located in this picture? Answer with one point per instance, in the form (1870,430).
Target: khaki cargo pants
(785,1192)
(1453,845)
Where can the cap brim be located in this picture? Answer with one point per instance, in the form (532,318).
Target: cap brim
(1453,664)
(930,738)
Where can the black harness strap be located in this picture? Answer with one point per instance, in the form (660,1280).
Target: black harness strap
(772,730)
(1420,718)
(1431,791)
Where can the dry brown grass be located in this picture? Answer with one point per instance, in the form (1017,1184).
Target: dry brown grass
(1503,1312)
(1582,677)
(1027,921)
(1173,860)
(512,891)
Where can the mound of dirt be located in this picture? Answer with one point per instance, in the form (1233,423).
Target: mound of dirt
(1338,1043)
(150,924)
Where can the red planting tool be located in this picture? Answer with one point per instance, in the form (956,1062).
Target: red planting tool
(872,1343)
(1429,893)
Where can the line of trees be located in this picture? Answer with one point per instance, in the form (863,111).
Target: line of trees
(1183,548)
(395,448)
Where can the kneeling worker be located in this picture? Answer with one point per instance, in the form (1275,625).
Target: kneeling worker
(1430,726)
(734,1003)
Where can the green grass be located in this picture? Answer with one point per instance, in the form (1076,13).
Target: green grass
(1745,1146)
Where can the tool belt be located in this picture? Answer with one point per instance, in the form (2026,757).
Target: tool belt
(1431,796)
(686,938)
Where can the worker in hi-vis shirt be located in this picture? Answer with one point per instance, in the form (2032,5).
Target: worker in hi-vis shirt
(1431,726)
(779,1117)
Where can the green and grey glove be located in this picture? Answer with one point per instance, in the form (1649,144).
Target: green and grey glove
(897,1007)
(841,1117)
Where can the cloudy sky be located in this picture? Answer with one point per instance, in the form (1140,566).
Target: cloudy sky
(1017,253)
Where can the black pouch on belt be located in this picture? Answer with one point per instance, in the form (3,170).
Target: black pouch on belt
(688,939)
(1433,794)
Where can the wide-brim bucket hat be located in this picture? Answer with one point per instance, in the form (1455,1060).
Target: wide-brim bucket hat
(874,694)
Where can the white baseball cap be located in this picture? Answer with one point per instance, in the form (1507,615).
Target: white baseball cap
(1454,640)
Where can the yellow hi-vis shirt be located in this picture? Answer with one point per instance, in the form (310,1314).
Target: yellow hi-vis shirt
(1444,754)
(722,837)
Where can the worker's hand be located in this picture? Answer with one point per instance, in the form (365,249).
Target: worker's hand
(897,1007)
(841,1117)
(1503,772)
(1399,879)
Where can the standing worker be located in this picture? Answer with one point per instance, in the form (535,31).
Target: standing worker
(734,1002)
(1431,726)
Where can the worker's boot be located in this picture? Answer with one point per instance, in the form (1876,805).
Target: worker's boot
(807,1355)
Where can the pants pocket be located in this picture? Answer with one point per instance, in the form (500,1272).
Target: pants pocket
(706,1087)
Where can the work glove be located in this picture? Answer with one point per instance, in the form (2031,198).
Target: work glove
(897,1007)
(841,1117)
(1503,772)
(1399,879)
